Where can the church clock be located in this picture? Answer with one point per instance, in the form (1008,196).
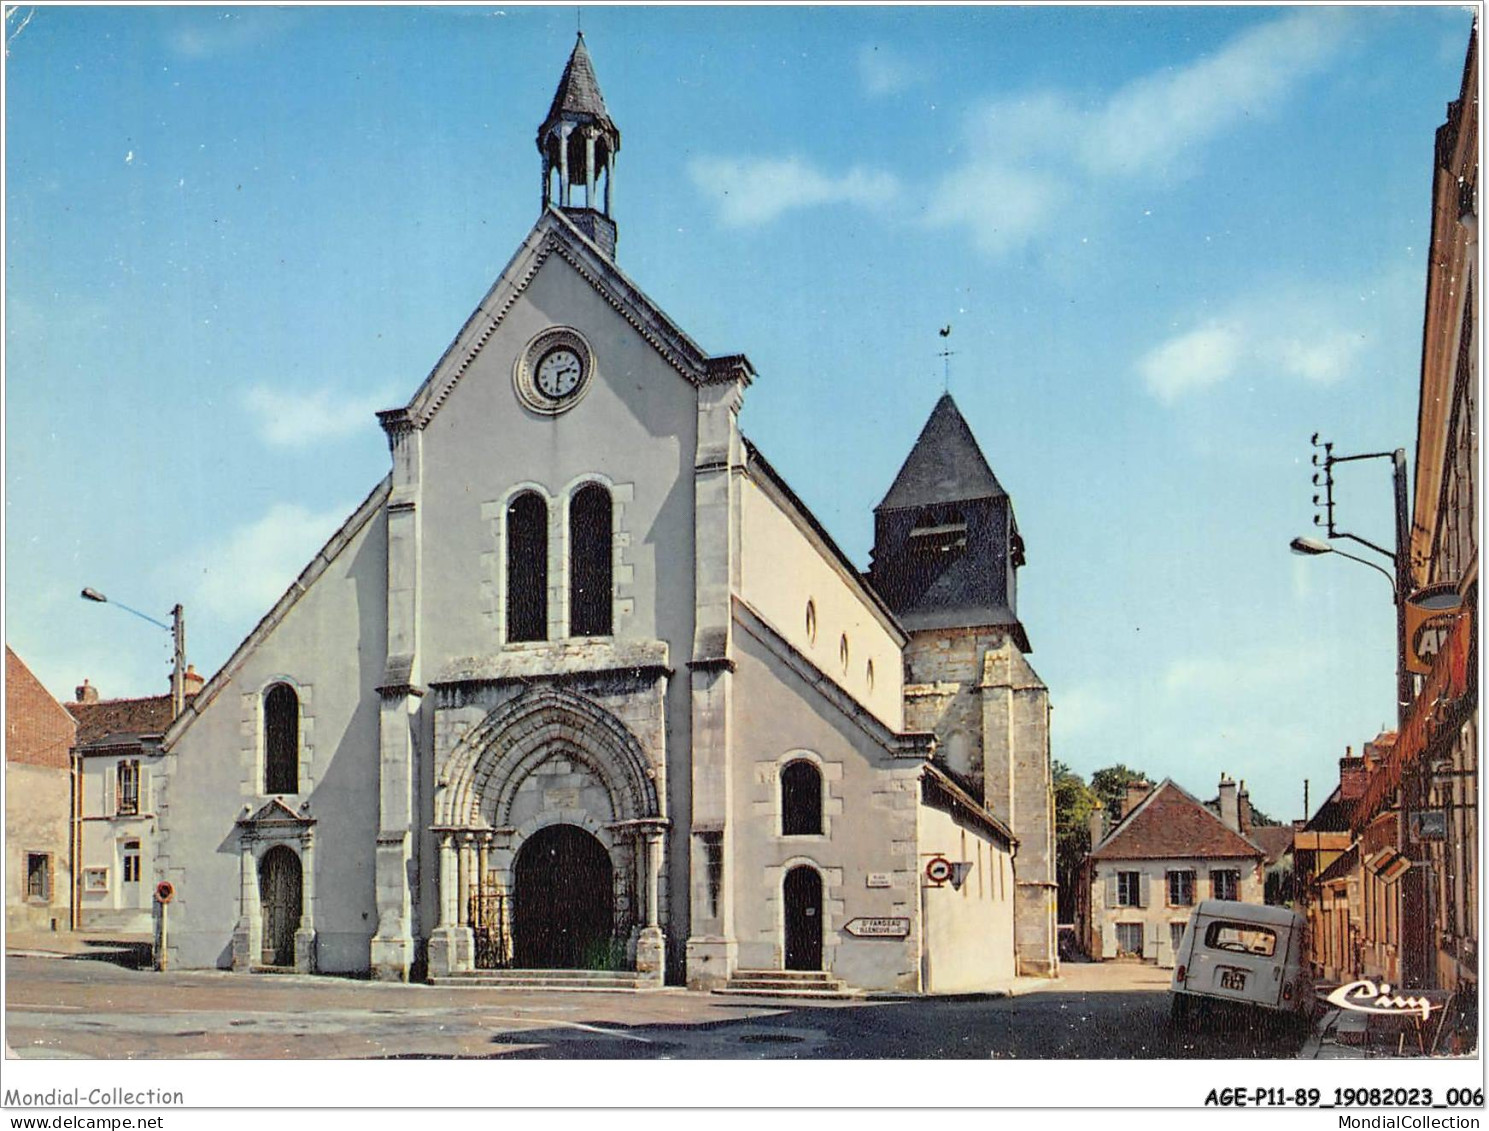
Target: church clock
(554,370)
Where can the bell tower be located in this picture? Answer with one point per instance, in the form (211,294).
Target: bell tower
(946,556)
(578,143)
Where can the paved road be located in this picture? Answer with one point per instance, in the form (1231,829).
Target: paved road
(90,1009)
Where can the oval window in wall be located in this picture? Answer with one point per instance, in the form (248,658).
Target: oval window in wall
(811,622)
(843,652)
(868,674)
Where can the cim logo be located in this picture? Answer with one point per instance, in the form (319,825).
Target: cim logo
(1364,996)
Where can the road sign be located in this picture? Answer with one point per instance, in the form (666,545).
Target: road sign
(892,927)
(938,870)
(165,891)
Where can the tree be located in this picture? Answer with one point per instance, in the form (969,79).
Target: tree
(1110,785)
(1074,802)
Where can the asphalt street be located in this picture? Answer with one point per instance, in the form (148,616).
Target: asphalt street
(75,1008)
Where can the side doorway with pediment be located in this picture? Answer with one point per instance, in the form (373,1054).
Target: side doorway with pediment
(276,920)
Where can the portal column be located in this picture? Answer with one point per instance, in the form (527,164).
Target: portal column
(247,929)
(305,932)
(450,945)
(651,942)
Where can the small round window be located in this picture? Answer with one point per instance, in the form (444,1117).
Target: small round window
(843,652)
(811,622)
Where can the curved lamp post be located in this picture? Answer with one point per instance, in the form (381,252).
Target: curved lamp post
(177,629)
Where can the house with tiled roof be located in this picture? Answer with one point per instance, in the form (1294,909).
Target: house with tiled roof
(1166,852)
(38,799)
(118,755)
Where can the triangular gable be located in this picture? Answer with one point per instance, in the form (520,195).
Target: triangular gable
(1170,823)
(555,234)
(946,464)
(276,812)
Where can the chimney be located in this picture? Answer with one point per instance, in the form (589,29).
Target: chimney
(1136,791)
(1244,807)
(87,693)
(1230,806)
(192,680)
(1354,774)
(1096,823)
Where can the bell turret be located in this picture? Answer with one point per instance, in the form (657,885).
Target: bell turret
(578,142)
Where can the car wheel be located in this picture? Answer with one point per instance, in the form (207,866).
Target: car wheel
(1178,1011)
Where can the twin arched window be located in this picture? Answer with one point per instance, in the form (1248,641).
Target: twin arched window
(281,740)
(801,799)
(589,561)
(590,564)
(527,568)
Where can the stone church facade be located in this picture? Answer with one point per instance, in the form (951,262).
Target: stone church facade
(582,684)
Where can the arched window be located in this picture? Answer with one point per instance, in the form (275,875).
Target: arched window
(589,562)
(281,740)
(527,568)
(801,799)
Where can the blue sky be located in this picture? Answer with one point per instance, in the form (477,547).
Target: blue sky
(1171,242)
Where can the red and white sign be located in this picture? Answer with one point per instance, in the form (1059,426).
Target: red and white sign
(938,870)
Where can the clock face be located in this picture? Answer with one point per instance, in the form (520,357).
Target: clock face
(559,372)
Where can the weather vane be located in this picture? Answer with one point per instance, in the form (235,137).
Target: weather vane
(946,354)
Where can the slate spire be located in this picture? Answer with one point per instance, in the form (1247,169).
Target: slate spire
(578,141)
(944,466)
(946,545)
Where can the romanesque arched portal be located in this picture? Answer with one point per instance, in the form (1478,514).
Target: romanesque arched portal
(548,775)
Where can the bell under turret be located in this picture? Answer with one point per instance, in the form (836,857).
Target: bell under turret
(578,143)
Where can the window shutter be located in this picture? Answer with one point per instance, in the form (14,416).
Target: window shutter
(144,789)
(108,791)
(1111,890)
(1144,897)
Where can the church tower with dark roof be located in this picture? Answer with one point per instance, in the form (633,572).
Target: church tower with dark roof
(946,555)
(946,546)
(578,142)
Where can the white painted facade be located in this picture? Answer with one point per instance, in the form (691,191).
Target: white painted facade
(437,757)
(117,839)
(1157,919)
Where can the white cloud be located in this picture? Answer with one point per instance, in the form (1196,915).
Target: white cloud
(241,576)
(1026,156)
(883,71)
(752,191)
(208,34)
(1192,360)
(296,418)
(1152,121)
(1310,333)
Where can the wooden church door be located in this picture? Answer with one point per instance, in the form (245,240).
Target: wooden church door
(279,895)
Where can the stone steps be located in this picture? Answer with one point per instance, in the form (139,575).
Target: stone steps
(592,981)
(786,983)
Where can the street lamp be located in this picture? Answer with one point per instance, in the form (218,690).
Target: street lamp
(1400,577)
(1414,930)
(1313,547)
(177,629)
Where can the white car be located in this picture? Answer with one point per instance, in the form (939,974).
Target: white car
(1247,953)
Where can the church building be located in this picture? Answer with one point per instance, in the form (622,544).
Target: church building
(583,685)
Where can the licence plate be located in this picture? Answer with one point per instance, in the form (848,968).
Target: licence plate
(1232,979)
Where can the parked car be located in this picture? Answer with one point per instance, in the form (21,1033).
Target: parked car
(1246,953)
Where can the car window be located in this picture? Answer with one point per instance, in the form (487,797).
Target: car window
(1241,938)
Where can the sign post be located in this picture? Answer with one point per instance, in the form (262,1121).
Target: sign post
(165,891)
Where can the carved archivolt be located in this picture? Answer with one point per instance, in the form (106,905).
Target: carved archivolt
(495,756)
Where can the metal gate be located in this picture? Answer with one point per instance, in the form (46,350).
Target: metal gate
(490,913)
